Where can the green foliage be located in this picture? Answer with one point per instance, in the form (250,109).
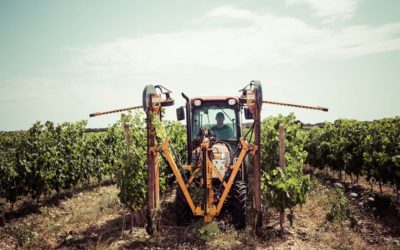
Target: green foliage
(294,142)
(158,125)
(49,157)
(206,231)
(8,169)
(54,157)
(338,207)
(289,187)
(177,136)
(131,170)
(286,188)
(359,148)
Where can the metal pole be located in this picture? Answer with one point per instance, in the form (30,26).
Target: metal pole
(257,173)
(152,172)
(150,163)
(282,166)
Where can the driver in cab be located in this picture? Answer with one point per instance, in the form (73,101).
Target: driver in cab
(222,131)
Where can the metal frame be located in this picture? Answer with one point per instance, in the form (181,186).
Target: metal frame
(209,208)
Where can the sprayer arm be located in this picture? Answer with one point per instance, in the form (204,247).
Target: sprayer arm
(297,106)
(114,111)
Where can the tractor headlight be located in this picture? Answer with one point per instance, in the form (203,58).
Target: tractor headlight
(231,102)
(197,103)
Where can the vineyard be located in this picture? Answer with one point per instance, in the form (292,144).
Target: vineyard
(50,158)
(370,149)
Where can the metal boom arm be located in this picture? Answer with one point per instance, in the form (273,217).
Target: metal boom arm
(114,111)
(297,106)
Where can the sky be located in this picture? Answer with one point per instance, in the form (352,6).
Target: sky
(62,60)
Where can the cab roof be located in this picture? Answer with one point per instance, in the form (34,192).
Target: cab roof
(214,98)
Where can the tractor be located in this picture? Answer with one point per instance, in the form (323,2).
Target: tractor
(218,178)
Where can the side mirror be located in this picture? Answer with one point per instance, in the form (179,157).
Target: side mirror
(180,113)
(247,114)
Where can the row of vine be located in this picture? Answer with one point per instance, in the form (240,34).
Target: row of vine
(51,157)
(370,148)
(48,158)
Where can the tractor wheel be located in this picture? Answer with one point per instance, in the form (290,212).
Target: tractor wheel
(184,214)
(246,169)
(237,204)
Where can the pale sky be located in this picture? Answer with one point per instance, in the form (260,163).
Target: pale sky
(61,60)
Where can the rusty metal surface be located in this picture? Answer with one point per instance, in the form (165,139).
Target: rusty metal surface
(114,111)
(297,105)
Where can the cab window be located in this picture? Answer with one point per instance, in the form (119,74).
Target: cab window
(220,120)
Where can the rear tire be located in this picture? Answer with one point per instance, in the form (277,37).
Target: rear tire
(246,169)
(237,204)
(184,215)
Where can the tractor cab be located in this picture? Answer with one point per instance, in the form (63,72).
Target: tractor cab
(220,115)
(216,120)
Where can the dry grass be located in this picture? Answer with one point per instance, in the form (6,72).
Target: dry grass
(55,224)
(94,220)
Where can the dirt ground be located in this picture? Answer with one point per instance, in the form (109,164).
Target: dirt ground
(93,218)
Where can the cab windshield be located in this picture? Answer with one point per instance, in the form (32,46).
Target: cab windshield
(220,120)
